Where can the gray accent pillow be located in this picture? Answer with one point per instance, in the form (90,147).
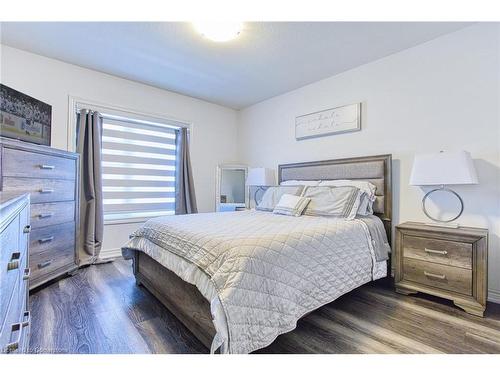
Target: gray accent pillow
(273,195)
(342,201)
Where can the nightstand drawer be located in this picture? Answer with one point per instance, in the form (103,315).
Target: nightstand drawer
(435,275)
(451,253)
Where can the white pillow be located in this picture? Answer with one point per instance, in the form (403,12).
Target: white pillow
(342,201)
(273,195)
(300,182)
(367,189)
(291,205)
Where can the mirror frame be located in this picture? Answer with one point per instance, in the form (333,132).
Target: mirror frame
(229,166)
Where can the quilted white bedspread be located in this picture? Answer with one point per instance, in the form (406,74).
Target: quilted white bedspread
(268,270)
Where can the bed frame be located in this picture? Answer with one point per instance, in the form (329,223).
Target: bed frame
(186,302)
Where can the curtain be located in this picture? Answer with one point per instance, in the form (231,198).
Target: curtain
(89,146)
(185,199)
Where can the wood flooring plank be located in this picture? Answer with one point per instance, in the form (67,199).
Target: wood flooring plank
(411,324)
(310,339)
(120,334)
(491,318)
(362,339)
(443,322)
(160,339)
(399,343)
(101,310)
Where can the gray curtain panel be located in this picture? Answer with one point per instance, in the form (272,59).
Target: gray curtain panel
(185,198)
(89,146)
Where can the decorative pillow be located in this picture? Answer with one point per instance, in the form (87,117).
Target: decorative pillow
(301,182)
(273,195)
(342,201)
(367,189)
(291,205)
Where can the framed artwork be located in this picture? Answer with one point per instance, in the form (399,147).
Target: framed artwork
(330,121)
(23,117)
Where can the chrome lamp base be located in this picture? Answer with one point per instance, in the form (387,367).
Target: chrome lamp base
(443,223)
(257,190)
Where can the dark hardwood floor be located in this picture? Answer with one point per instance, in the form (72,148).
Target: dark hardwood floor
(101,310)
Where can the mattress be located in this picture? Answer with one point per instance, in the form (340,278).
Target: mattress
(245,264)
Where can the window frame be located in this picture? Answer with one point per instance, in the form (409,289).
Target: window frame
(110,111)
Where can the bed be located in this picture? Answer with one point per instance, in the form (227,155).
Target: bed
(237,280)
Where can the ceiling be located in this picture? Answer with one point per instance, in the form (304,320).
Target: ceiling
(267,59)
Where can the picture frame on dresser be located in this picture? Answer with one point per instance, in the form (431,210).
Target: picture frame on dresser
(51,177)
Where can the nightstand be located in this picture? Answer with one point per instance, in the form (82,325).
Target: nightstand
(450,263)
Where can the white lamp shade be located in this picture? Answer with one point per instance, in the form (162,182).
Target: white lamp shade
(260,177)
(443,168)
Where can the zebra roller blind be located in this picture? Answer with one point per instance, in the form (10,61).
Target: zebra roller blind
(138,161)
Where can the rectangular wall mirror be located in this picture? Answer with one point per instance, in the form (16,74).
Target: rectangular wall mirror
(231,191)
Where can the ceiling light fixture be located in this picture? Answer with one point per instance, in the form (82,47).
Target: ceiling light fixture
(219,31)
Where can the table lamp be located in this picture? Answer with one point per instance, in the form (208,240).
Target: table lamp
(260,177)
(443,169)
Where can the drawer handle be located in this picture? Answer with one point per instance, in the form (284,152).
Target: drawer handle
(45,215)
(46,239)
(46,191)
(435,276)
(27,319)
(27,229)
(27,274)
(440,252)
(46,166)
(44,264)
(14,261)
(13,346)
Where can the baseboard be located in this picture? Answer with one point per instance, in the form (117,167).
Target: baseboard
(109,254)
(494,296)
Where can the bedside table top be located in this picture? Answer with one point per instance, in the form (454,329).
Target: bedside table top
(412,225)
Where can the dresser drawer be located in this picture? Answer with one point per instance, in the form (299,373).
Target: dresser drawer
(23,282)
(16,331)
(12,316)
(44,214)
(20,335)
(46,262)
(25,335)
(450,253)
(52,238)
(19,163)
(41,190)
(449,278)
(9,243)
(24,229)
(10,264)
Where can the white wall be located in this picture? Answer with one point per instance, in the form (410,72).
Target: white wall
(441,95)
(53,81)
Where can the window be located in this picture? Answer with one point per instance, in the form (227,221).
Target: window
(138,161)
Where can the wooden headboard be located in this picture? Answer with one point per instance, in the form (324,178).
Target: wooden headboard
(376,169)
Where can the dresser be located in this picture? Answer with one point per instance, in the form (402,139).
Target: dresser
(50,176)
(14,273)
(450,263)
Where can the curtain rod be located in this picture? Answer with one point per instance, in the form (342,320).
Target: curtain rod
(136,121)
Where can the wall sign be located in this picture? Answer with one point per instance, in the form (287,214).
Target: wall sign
(331,121)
